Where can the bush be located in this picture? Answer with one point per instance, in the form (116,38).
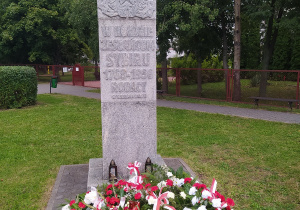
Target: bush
(18,86)
(187,76)
(190,76)
(255,80)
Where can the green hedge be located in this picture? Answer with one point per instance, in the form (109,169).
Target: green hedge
(18,86)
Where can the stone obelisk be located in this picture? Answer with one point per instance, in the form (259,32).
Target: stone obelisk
(127,42)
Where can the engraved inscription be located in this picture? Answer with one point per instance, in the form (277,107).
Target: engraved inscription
(129,31)
(127,45)
(128,8)
(128,87)
(133,31)
(122,74)
(129,96)
(127,59)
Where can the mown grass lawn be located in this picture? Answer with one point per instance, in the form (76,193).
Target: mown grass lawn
(255,162)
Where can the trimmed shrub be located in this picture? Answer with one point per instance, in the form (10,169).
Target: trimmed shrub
(18,86)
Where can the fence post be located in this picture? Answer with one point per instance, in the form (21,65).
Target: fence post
(82,76)
(229,85)
(177,82)
(297,96)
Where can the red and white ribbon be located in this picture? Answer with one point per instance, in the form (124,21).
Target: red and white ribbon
(134,168)
(160,200)
(213,186)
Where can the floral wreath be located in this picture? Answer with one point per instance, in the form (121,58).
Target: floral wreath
(158,190)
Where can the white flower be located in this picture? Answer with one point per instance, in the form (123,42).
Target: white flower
(195,200)
(66,207)
(99,203)
(185,208)
(193,191)
(151,200)
(161,184)
(206,194)
(182,194)
(180,182)
(216,203)
(169,174)
(92,196)
(202,207)
(171,195)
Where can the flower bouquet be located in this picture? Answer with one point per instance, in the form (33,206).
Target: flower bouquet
(161,189)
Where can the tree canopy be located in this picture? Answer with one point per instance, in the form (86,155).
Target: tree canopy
(66,31)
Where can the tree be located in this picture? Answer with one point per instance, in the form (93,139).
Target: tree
(195,31)
(237,51)
(37,32)
(82,17)
(165,34)
(225,20)
(250,42)
(272,14)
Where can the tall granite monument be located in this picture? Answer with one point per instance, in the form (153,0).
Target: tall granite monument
(127,42)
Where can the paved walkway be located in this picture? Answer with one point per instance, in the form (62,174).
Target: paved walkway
(284,117)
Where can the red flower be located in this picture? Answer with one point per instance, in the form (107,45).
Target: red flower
(125,208)
(139,187)
(170,182)
(114,200)
(109,192)
(198,186)
(187,180)
(81,205)
(108,187)
(230,202)
(137,196)
(147,185)
(72,202)
(107,199)
(154,188)
(220,196)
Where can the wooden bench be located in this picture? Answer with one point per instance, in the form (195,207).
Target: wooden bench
(290,101)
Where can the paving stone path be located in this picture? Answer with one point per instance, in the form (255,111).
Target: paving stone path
(285,117)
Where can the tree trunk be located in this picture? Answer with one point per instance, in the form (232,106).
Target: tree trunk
(199,77)
(96,72)
(237,51)
(270,41)
(225,48)
(164,70)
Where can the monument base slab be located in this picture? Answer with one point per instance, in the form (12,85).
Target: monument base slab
(95,177)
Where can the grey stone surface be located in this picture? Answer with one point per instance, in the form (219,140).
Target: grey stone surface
(127,44)
(95,173)
(128,134)
(72,180)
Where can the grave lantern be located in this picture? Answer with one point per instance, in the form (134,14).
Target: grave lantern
(148,165)
(113,171)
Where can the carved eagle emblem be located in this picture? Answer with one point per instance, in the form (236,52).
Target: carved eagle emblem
(128,8)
